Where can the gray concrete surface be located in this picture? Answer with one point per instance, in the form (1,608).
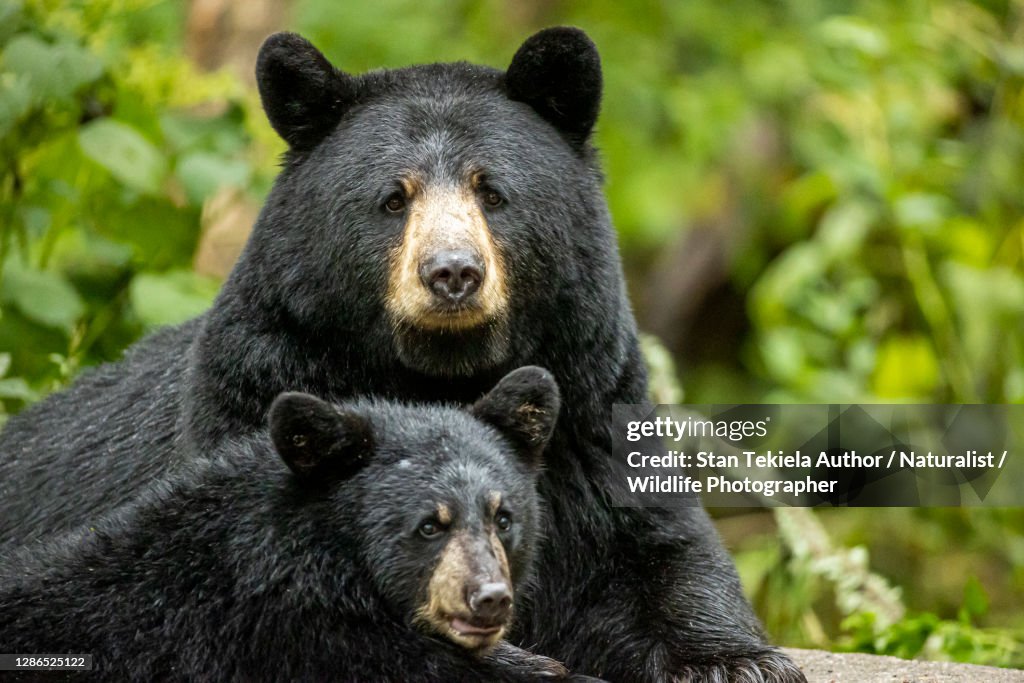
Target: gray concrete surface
(829,667)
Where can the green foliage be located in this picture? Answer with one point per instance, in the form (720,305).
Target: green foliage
(885,261)
(942,610)
(172,297)
(111,143)
(925,635)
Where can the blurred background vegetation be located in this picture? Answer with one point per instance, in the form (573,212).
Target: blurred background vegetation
(818,201)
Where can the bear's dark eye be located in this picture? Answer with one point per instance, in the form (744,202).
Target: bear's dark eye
(395,203)
(430,529)
(492,199)
(504,521)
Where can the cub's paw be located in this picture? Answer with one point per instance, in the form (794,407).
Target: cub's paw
(524,663)
(769,666)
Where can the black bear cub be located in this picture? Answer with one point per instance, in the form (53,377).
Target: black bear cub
(390,548)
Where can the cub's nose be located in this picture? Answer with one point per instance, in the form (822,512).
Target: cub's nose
(492,602)
(453,276)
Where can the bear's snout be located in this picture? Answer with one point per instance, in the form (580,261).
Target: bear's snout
(447,272)
(453,276)
(469,593)
(491,602)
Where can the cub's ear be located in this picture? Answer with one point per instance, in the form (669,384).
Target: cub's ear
(303,95)
(313,437)
(524,407)
(558,72)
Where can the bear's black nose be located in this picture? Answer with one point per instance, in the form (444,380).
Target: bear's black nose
(491,602)
(453,276)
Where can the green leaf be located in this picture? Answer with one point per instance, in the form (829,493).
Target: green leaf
(854,33)
(169,247)
(15,100)
(975,600)
(845,226)
(920,211)
(54,71)
(223,134)
(172,297)
(124,152)
(989,304)
(783,353)
(16,388)
(10,18)
(907,368)
(42,296)
(203,173)
(786,282)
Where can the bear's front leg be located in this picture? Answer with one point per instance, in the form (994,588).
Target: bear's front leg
(686,604)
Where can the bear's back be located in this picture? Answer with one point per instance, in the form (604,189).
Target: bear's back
(86,450)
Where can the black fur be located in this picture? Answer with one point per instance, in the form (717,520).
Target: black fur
(315,438)
(626,593)
(69,459)
(304,96)
(237,569)
(558,73)
(525,410)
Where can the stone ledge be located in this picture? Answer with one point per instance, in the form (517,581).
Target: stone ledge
(829,667)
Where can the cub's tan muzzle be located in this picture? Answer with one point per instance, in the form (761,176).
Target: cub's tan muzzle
(470,596)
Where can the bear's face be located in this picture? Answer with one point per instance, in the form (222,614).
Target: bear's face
(447,195)
(447,515)
(450,533)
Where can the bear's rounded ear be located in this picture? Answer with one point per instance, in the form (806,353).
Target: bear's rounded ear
(303,95)
(314,437)
(558,72)
(524,407)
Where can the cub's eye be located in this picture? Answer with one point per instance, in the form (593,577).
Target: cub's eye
(504,521)
(395,203)
(492,199)
(430,529)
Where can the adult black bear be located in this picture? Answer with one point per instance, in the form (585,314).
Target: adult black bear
(433,227)
(391,550)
